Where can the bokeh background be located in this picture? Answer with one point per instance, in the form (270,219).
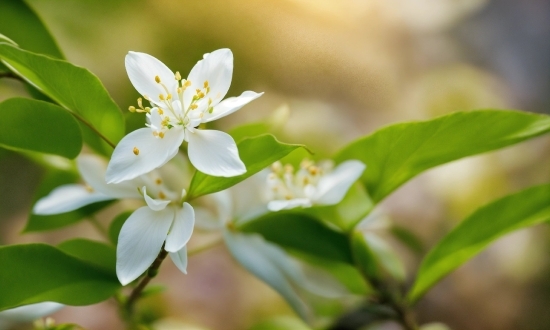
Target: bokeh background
(344,68)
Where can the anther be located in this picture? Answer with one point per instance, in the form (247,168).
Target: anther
(289,168)
(200,95)
(132,109)
(162,195)
(161,135)
(177,75)
(136,151)
(161,97)
(193,106)
(158,181)
(169,96)
(187,83)
(155,133)
(139,102)
(160,111)
(157,79)
(206,84)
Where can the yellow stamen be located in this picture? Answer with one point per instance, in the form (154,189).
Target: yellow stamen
(177,75)
(162,195)
(187,83)
(161,135)
(161,97)
(89,189)
(158,181)
(206,84)
(136,151)
(139,102)
(193,106)
(160,111)
(157,79)
(132,109)
(155,133)
(289,168)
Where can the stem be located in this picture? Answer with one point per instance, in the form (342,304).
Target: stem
(151,272)
(103,137)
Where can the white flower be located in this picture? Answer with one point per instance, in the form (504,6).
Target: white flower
(165,219)
(179,106)
(27,313)
(311,184)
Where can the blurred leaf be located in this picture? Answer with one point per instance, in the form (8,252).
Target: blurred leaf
(52,179)
(345,273)
(39,126)
(66,326)
(385,256)
(21,24)
(93,252)
(281,323)
(270,264)
(364,257)
(399,152)
(473,234)
(302,233)
(257,153)
(152,290)
(434,326)
(32,273)
(408,238)
(348,213)
(116,225)
(74,88)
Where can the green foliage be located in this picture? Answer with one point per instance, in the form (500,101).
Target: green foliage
(256,153)
(116,226)
(281,323)
(249,130)
(32,273)
(34,36)
(472,235)
(93,252)
(74,88)
(399,152)
(54,178)
(302,233)
(39,126)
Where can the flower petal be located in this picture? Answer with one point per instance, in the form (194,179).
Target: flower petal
(230,105)
(182,228)
(214,153)
(332,188)
(152,152)
(92,168)
(154,204)
(140,241)
(67,198)
(143,68)
(217,69)
(30,312)
(180,259)
(278,205)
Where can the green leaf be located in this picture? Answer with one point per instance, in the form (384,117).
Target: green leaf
(21,24)
(408,238)
(281,323)
(472,235)
(302,233)
(52,179)
(39,126)
(364,257)
(116,226)
(256,153)
(242,132)
(34,273)
(397,153)
(93,252)
(386,258)
(74,88)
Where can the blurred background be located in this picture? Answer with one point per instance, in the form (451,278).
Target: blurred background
(344,68)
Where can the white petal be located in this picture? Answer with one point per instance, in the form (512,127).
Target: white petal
(143,68)
(217,69)
(140,241)
(67,198)
(153,152)
(332,188)
(180,259)
(278,205)
(182,228)
(30,312)
(92,168)
(154,204)
(230,105)
(214,153)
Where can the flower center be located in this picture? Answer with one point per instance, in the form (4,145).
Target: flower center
(284,183)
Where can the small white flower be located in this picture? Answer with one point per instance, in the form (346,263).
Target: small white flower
(165,219)
(27,313)
(311,184)
(179,106)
